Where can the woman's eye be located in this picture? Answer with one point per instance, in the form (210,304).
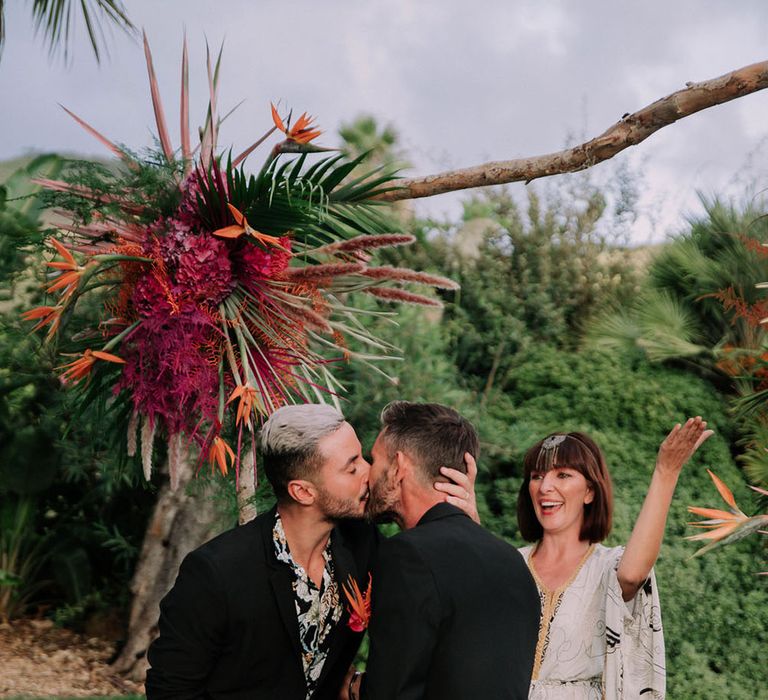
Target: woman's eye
(564,475)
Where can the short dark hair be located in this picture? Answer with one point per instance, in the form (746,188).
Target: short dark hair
(580,452)
(431,434)
(289,443)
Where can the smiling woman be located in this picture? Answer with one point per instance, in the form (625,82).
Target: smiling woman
(600,633)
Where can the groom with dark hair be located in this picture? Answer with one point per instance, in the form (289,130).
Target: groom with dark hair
(455,610)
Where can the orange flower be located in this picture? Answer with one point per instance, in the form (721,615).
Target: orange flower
(81,367)
(71,272)
(46,314)
(301,132)
(247,395)
(359,604)
(219,453)
(724,526)
(242,226)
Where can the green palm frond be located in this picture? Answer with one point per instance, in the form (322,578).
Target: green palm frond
(668,329)
(2,24)
(316,203)
(615,330)
(658,324)
(755,457)
(56,19)
(751,403)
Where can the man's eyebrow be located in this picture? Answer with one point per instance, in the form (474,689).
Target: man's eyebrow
(352,459)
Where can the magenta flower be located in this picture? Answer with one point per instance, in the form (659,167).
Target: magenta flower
(204,271)
(254,262)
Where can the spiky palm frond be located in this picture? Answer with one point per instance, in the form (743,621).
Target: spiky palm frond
(223,295)
(755,456)
(658,324)
(314,203)
(2,24)
(56,20)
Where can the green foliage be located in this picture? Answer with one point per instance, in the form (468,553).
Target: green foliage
(686,309)
(22,554)
(425,373)
(21,211)
(534,277)
(71,512)
(628,406)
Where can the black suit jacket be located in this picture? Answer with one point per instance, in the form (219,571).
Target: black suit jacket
(455,614)
(228,627)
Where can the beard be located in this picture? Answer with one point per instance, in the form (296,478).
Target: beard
(384,499)
(335,508)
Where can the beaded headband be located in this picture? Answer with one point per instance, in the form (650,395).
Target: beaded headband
(548,452)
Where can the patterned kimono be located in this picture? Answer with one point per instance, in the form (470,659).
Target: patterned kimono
(592,644)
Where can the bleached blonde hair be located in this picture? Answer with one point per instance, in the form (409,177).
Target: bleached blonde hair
(289,442)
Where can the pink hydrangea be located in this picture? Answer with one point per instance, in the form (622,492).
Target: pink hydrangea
(204,269)
(254,262)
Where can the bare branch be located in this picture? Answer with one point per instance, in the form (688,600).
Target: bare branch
(630,130)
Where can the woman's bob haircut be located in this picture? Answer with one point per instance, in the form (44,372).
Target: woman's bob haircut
(576,451)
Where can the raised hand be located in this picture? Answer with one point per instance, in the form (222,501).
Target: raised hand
(460,491)
(680,445)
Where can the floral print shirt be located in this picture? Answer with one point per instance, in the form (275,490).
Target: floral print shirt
(318,609)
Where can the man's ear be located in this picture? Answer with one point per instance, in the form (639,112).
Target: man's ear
(403,466)
(302,491)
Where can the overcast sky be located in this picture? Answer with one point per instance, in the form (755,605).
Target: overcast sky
(463,82)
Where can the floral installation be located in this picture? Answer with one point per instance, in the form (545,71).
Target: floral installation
(359,604)
(724,527)
(220,295)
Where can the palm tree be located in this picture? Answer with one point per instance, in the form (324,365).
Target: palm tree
(56,19)
(701,295)
(363,135)
(702,307)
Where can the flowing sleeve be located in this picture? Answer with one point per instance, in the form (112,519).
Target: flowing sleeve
(634,663)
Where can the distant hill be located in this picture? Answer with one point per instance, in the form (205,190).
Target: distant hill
(8,167)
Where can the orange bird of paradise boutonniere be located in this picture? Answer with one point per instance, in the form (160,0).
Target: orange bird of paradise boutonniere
(359,604)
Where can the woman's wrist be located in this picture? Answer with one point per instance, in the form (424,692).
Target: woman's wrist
(666,473)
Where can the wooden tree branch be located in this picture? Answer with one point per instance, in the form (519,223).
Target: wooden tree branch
(630,130)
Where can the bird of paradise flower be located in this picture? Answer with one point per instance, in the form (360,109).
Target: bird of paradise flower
(220,287)
(725,527)
(359,604)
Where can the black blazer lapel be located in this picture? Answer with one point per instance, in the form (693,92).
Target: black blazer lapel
(343,560)
(281,580)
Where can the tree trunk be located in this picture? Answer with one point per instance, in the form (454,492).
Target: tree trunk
(180,522)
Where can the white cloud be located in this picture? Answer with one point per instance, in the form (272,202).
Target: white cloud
(462,82)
